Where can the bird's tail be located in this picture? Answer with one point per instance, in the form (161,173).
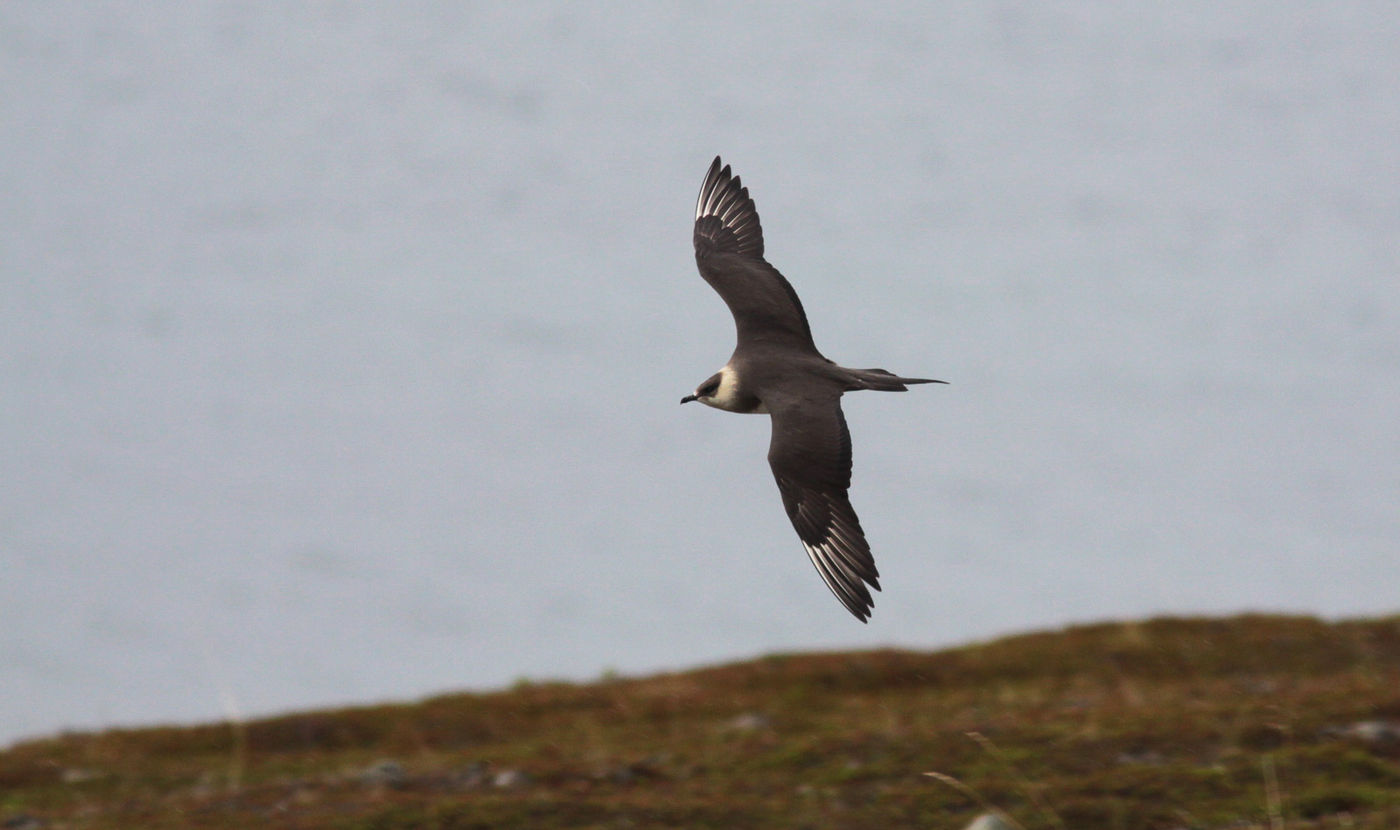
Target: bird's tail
(883,381)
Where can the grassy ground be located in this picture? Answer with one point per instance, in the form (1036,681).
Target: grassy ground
(1249,722)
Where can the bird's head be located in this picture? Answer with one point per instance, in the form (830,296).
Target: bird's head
(722,390)
(705,393)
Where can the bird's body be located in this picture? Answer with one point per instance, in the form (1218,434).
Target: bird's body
(776,369)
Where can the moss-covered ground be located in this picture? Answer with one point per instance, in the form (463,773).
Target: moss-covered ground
(1249,722)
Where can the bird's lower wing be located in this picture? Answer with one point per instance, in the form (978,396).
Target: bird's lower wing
(810,454)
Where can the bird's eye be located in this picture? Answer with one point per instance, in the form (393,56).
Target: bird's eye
(708,390)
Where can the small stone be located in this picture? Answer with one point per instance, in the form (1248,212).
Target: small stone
(1146,757)
(989,821)
(750,722)
(385,773)
(1374,731)
(510,779)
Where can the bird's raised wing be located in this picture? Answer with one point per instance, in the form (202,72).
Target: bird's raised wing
(729,254)
(810,454)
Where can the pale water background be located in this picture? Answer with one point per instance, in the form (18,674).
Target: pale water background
(340,345)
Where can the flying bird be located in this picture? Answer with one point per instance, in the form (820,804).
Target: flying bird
(777,370)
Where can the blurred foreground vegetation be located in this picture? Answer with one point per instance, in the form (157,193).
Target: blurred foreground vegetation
(1248,722)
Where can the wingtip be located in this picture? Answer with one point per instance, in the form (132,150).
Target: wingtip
(717,169)
(725,216)
(849,587)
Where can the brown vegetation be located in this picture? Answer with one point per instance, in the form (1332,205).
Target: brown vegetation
(1255,721)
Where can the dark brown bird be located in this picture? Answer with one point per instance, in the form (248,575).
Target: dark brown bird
(776,369)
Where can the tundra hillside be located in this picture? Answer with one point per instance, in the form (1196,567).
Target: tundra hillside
(1248,722)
